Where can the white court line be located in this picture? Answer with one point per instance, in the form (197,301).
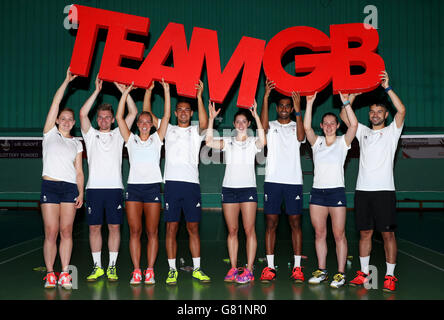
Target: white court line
(29,251)
(425,248)
(416,258)
(20,243)
(20,255)
(423,261)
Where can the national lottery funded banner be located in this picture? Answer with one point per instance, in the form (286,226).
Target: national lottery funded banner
(14,148)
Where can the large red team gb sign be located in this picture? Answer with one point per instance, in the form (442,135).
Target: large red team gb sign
(330,61)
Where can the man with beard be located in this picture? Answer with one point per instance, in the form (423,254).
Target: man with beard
(283,178)
(375,197)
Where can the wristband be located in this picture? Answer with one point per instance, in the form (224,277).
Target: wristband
(388,89)
(297,114)
(345,104)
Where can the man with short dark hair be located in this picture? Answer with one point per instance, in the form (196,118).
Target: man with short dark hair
(104,191)
(283,177)
(375,197)
(181,177)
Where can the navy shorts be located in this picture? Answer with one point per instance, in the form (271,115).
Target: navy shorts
(58,191)
(274,193)
(184,196)
(108,201)
(238,195)
(375,210)
(146,193)
(332,197)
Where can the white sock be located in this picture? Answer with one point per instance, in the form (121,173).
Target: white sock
(297,261)
(97,258)
(172,263)
(364,264)
(390,269)
(112,258)
(196,263)
(270,260)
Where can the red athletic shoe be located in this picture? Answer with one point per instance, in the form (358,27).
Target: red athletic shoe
(297,275)
(51,280)
(268,274)
(389,284)
(359,280)
(136,277)
(65,280)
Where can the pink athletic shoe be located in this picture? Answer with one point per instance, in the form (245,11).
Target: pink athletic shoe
(231,275)
(245,277)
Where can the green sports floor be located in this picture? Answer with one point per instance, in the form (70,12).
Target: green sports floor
(420,265)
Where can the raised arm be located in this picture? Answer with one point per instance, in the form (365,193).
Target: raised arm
(202,113)
(350,115)
(123,127)
(209,138)
(297,109)
(85,123)
(262,138)
(343,113)
(80,179)
(147,104)
(132,108)
(54,109)
(269,85)
(400,108)
(311,136)
(166,111)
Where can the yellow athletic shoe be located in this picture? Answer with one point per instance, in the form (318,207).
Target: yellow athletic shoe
(201,276)
(95,274)
(172,277)
(111,273)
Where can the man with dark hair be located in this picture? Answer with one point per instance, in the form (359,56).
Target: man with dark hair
(283,177)
(375,197)
(104,191)
(181,177)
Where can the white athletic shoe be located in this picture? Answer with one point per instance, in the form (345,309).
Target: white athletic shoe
(149,276)
(338,281)
(51,280)
(136,277)
(318,277)
(65,281)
